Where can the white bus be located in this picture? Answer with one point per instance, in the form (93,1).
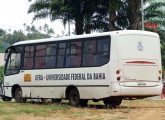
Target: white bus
(107,66)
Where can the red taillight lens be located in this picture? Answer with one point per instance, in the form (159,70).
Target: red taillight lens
(118,78)
(118,72)
(159,78)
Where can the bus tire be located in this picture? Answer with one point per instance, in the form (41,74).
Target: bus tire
(18,96)
(74,97)
(58,101)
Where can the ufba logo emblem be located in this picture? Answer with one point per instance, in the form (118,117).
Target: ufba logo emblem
(140,46)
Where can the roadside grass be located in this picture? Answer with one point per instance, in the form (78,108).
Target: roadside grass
(12,110)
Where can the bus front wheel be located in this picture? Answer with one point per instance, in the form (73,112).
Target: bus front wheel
(74,97)
(18,96)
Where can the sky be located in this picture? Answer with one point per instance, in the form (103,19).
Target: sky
(13,14)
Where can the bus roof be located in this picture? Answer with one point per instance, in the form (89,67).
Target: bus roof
(121,32)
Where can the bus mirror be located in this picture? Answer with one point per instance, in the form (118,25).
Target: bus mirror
(6,55)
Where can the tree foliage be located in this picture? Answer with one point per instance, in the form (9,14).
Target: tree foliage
(155,13)
(30,33)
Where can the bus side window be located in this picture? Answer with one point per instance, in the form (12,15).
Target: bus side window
(61,54)
(40,58)
(28,57)
(75,54)
(89,50)
(69,54)
(96,52)
(102,56)
(51,52)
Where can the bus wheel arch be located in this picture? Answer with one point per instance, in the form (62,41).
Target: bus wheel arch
(73,95)
(14,89)
(68,89)
(17,94)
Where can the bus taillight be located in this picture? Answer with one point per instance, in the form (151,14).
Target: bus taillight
(118,72)
(159,78)
(118,78)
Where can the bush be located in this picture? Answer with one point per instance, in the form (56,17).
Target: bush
(1,74)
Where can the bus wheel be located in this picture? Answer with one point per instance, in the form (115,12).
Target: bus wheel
(74,97)
(58,101)
(18,96)
(6,98)
(112,103)
(83,103)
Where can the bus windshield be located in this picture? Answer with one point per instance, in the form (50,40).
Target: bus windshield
(14,61)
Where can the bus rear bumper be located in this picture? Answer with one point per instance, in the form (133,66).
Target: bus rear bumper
(142,91)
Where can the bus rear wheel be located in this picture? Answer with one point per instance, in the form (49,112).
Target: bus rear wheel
(18,96)
(74,97)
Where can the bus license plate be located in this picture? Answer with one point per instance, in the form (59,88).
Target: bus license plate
(141,83)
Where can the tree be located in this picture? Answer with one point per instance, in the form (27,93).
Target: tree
(79,11)
(113,6)
(154,14)
(16,37)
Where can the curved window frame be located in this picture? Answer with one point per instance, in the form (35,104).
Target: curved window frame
(82,40)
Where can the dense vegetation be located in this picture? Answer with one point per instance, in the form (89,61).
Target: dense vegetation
(7,38)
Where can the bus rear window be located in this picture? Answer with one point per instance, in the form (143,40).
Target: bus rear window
(139,47)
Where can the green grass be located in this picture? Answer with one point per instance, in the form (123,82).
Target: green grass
(8,118)
(12,110)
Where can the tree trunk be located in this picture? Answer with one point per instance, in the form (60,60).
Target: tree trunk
(113,6)
(134,16)
(79,26)
(112,17)
(87,28)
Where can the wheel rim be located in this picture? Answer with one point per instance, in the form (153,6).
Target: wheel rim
(18,96)
(74,99)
